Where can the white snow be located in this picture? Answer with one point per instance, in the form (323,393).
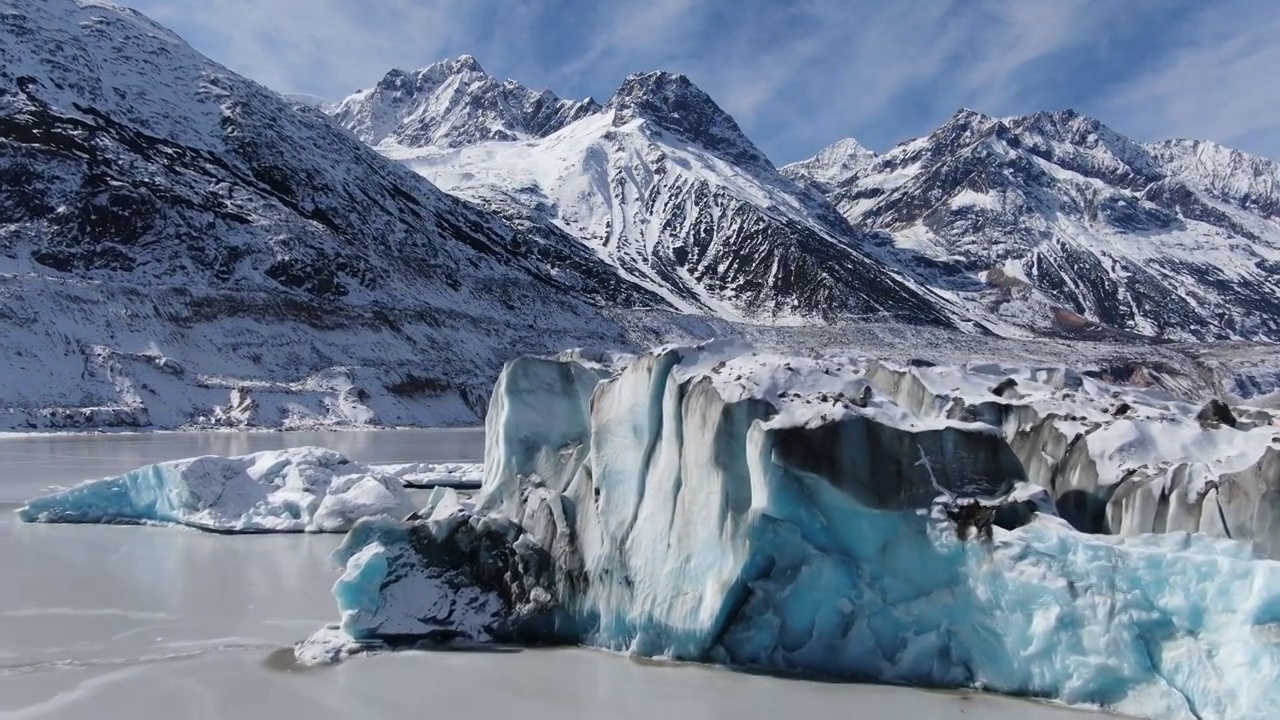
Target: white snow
(239,242)
(418,474)
(305,489)
(1067,196)
(833,165)
(969,198)
(576,172)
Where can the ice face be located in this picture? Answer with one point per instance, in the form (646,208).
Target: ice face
(773,515)
(305,489)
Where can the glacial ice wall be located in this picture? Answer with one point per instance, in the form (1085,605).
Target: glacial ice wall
(307,489)
(713,505)
(1119,459)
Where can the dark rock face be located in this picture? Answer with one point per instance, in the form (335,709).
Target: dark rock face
(146,186)
(769,264)
(487,556)
(972,519)
(675,104)
(1216,411)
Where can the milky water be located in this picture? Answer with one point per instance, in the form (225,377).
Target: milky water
(137,622)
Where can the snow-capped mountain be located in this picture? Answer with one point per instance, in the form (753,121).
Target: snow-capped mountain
(179,245)
(659,184)
(833,164)
(171,231)
(454,103)
(1054,219)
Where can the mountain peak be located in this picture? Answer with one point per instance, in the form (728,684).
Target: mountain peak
(968,115)
(672,101)
(1084,144)
(833,165)
(466,63)
(428,78)
(659,80)
(658,95)
(454,103)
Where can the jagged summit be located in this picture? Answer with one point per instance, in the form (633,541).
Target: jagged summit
(1060,216)
(402,79)
(832,165)
(965,114)
(674,103)
(454,103)
(466,63)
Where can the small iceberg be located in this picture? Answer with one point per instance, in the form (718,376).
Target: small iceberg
(306,489)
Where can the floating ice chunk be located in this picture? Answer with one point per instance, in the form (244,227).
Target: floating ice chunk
(306,489)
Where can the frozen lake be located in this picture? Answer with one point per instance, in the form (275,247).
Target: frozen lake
(135,622)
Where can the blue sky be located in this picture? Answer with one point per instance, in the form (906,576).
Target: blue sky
(799,74)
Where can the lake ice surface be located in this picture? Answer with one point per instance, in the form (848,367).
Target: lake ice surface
(137,622)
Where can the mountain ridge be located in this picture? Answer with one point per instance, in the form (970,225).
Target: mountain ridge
(662,186)
(183,247)
(181,234)
(1174,239)
(1009,271)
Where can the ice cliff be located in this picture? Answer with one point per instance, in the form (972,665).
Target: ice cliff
(306,489)
(827,516)
(1118,447)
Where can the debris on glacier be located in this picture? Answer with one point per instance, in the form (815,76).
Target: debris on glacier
(721,505)
(306,489)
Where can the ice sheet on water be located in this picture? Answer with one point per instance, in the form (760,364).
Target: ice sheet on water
(307,489)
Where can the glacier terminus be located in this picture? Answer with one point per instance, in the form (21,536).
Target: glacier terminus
(823,516)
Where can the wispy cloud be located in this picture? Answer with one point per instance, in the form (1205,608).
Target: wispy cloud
(798,74)
(318,46)
(1220,81)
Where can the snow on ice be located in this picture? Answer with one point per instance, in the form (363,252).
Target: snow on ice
(307,489)
(430,475)
(820,515)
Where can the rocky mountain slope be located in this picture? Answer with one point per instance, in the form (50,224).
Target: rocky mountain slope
(180,246)
(1045,223)
(171,232)
(659,184)
(1055,220)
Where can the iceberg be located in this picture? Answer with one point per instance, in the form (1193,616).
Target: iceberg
(306,489)
(792,515)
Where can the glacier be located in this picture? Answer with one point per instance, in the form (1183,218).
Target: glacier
(306,489)
(786,514)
